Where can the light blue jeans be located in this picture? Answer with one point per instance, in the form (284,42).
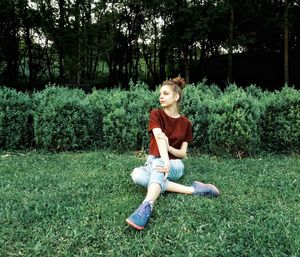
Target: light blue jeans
(146,175)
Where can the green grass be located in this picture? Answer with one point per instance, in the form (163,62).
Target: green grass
(75,204)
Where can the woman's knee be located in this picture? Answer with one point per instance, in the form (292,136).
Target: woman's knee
(176,171)
(135,174)
(138,176)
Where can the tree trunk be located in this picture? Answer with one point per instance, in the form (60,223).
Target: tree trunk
(49,61)
(29,52)
(230,48)
(172,62)
(162,62)
(136,66)
(148,61)
(93,75)
(186,63)
(286,43)
(88,41)
(13,56)
(61,4)
(61,64)
(129,59)
(202,58)
(155,53)
(77,26)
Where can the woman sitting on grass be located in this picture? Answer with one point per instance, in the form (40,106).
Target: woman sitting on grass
(170,134)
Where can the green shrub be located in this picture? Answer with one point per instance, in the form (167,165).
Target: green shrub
(233,123)
(62,119)
(99,103)
(197,103)
(255,92)
(127,115)
(16,128)
(280,122)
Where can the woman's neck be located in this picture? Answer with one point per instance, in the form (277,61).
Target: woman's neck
(172,111)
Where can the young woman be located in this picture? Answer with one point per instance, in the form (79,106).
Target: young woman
(170,134)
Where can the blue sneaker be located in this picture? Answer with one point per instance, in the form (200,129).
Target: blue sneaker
(205,189)
(140,217)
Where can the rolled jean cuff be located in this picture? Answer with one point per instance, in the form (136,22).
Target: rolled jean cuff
(157,177)
(146,175)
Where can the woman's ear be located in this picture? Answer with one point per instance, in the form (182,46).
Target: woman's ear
(177,96)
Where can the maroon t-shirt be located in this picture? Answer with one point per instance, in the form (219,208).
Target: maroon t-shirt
(178,130)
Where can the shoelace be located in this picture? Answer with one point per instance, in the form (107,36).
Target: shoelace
(204,191)
(144,209)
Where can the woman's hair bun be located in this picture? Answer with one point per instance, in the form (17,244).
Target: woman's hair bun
(179,81)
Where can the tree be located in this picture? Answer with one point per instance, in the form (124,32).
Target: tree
(74,41)
(9,42)
(286,42)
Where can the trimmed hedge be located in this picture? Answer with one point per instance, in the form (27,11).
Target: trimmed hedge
(98,101)
(62,120)
(280,121)
(16,119)
(127,115)
(198,101)
(233,123)
(237,122)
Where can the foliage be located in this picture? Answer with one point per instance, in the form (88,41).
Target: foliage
(236,122)
(233,123)
(16,115)
(198,100)
(280,121)
(98,101)
(62,119)
(125,124)
(75,204)
(255,92)
(74,41)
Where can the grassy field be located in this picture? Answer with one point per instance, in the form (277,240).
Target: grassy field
(75,204)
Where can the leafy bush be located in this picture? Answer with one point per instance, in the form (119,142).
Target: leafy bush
(127,115)
(255,92)
(280,122)
(99,104)
(197,103)
(16,128)
(62,120)
(233,124)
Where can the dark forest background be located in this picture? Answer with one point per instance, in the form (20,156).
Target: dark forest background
(89,43)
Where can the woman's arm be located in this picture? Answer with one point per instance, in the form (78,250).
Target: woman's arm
(163,145)
(180,153)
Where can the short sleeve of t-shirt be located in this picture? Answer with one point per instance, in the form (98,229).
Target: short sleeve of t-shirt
(189,133)
(154,121)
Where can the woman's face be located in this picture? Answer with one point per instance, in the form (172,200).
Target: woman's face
(167,96)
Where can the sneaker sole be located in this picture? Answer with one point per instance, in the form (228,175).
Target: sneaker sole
(134,225)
